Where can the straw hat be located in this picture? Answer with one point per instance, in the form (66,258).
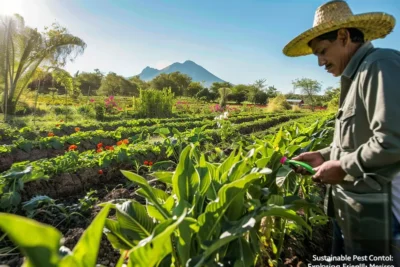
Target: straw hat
(335,15)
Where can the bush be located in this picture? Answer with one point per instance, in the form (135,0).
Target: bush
(278,103)
(64,110)
(261,98)
(87,110)
(154,103)
(238,97)
(100,111)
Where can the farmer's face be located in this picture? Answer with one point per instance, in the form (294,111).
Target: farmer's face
(335,55)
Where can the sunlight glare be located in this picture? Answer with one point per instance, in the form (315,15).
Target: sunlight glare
(10,7)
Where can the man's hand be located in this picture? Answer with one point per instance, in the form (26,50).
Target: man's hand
(314,159)
(330,172)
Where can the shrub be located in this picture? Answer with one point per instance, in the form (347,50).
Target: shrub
(278,103)
(154,103)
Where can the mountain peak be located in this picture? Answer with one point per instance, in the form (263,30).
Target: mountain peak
(188,67)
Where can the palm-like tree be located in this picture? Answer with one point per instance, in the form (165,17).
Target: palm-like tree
(23,50)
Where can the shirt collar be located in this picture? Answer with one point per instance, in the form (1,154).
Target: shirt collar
(355,61)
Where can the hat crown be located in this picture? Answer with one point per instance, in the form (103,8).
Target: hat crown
(332,11)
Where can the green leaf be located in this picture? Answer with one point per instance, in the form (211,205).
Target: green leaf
(241,227)
(162,165)
(215,210)
(132,216)
(165,177)
(86,250)
(148,189)
(114,234)
(152,250)
(162,131)
(38,242)
(186,180)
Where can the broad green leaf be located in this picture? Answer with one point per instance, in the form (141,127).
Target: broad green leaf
(165,177)
(186,180)
(132,215)
(215,210)
(38,242)
(162,131)
(162,165)
(115,236)
(204,173)
(284,212)
(152,250)
(148,189)
(236,231)
(160,195)
(86,250)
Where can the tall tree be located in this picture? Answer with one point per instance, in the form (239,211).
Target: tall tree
(114,84)
(310,88)
(23,50)
(260,84)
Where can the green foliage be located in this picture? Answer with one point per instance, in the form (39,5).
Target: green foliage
(26,49)
(206,96)
(261,98)
(278,103)
(154,103)
(113,84)
(309,88)
(176,81)
(223,92)
(41,244)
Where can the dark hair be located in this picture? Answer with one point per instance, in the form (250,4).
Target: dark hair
(356,36)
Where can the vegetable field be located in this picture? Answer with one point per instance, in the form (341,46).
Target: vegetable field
(197,190)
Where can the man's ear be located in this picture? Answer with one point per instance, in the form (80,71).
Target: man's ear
(343,36)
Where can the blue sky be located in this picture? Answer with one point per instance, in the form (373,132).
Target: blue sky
(238,41)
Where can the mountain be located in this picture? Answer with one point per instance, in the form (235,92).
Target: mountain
(197,72)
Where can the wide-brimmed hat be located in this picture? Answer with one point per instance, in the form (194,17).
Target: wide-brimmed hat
(335,15)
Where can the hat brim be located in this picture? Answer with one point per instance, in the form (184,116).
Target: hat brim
(374,26)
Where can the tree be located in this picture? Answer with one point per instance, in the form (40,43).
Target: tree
(23,50)
(194,88)
(260,84)
(216,85)
(162,81)
(310,88)
(114,84)
(70,84)
(224,92)
(90,81)
(139,82)
(181,80)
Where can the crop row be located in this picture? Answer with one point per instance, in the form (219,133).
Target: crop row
(48,147)
(242,204)
(60,128)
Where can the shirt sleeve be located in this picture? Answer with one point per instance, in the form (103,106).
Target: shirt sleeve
(380,91)
(326,153)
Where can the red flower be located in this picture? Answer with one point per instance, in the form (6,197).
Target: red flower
(99,150)
(50,134)
(119,143)
(146,162)
(72,147)
(125,141)
(99,145)
(77,129)
(100,172)
(150,163)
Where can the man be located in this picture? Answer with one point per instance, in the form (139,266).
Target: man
(361,164)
